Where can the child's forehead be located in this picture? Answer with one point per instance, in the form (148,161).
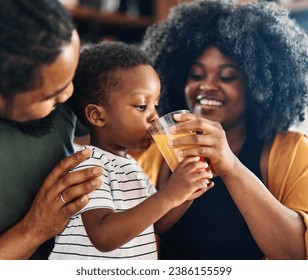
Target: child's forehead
(123,75)
(134,82)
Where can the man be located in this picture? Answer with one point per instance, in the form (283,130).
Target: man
(39,51)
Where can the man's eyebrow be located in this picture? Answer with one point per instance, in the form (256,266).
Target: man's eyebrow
(57,91)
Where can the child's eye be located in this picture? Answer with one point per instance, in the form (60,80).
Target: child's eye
(141,107)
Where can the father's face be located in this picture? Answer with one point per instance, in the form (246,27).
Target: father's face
(35,128)
(56,88)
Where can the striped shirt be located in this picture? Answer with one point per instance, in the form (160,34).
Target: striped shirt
(124,185)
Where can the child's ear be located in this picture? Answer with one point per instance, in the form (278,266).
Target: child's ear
(95,114)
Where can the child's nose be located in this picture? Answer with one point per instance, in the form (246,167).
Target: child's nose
(153,116)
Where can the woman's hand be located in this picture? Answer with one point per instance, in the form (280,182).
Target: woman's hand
(210,137)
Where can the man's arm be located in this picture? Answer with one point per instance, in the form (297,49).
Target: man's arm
(61,195)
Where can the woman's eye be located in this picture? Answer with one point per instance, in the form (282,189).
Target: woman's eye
(141,107)
(196,77)
(228,79)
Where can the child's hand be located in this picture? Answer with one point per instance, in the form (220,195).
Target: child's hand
(200,192)
(189,180)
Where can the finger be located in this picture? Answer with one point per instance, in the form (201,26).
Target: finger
(201,189)
(211,185)
(187,161)
(75,206)
(193,140)
(207,172)
(87,177)
(184,117)
(75,192)
(200,145)
(202,176)
(207,153)
(205,184)
(189,122)
(69,162)
(198,193)
(198,151)
(196,166)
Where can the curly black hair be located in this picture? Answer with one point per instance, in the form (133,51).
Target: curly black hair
(271,49)
(32,34)
(96,74)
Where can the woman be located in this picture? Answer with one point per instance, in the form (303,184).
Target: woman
(241,70)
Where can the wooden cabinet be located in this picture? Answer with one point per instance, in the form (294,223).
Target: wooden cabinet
(95,24)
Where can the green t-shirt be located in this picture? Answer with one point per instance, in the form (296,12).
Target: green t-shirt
(25,163)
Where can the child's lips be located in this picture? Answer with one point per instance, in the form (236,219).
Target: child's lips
(148,137)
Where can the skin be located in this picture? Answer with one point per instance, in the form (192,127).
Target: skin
(56,87)
(122,125)
(48,215)
(278,230)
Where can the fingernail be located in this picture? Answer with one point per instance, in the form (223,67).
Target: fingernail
(97,170)
(181,154)
(170,144)
(84,199)
(95,182)
(205,181)
(177,116)
(86,152)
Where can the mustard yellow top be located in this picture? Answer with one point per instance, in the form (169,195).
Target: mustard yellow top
(287,171)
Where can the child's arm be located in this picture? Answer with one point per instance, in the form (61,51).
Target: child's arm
(176,213)
(108,230)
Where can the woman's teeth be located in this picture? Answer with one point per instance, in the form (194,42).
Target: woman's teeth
(209,102)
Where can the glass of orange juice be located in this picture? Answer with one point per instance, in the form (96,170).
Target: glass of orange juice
(161,135)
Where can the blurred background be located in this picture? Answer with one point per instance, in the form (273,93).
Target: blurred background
(127,20)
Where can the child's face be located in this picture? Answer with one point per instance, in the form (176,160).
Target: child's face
(131,109)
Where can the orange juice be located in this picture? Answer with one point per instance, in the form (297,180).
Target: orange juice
(169,154)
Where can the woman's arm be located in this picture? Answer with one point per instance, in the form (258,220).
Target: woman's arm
(278,230)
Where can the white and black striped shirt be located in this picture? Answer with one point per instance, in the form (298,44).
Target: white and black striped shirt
(124,185)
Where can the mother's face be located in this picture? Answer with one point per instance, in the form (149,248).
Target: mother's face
(215,89)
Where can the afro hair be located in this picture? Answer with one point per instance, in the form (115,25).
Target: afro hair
(271,49)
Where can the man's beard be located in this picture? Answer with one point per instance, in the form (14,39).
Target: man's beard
(36,128)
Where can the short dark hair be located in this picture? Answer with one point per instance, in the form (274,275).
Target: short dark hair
(31,36)
(271,49)
(96,74)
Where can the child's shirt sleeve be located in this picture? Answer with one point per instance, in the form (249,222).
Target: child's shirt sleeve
(101,197)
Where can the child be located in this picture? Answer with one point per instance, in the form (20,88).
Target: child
(116,95)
